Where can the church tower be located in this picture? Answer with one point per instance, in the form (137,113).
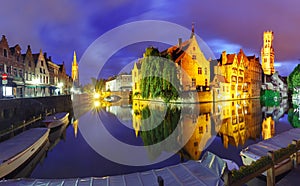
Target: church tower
(267,53)
(75,71)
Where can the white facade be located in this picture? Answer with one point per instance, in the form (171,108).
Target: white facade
(120,83)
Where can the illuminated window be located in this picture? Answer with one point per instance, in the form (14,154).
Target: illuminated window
(201,130)
(193,82)
(199,70)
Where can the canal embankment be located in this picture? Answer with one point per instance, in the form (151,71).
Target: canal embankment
(15,113)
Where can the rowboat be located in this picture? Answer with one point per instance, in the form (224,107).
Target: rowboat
(56,120)
(17,150)
(260,149)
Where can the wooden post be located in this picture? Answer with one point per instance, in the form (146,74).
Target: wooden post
(295,155)
(160,181)
(271,171)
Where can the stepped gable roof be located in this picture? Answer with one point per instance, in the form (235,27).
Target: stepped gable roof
(177,52)
(230,59)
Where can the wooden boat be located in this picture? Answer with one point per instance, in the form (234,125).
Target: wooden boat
(15,151)
(260,149)
(56,120)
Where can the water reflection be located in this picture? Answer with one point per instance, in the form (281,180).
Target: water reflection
(234,122)
(294,114)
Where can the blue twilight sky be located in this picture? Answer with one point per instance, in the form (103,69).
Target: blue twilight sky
(61,26)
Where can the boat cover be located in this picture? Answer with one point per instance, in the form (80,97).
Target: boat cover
(272,144)
(208,172)
(19,143)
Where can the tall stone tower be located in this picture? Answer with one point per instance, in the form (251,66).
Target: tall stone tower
(267,53)
(75,71)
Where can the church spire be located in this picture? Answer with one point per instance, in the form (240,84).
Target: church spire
(193,30)
(74,59)
(75,74)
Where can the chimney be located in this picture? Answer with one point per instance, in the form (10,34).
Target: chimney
(179,42)
(224,58)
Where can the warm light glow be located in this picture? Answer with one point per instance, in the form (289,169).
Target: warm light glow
(60,84)
(35,81)
(96,104)
(96,95)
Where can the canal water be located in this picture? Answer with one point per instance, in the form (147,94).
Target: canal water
(112,139)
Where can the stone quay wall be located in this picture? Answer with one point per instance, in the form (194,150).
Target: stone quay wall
(14,112)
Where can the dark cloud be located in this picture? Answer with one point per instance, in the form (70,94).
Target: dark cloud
(61,26)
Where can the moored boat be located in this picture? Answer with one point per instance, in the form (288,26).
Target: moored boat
(56,120)
(260,149)
(17,150)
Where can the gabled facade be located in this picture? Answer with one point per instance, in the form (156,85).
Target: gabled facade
(136,79)
(29,69)
(53,75)
(195,68)
(233,70)
(41,74)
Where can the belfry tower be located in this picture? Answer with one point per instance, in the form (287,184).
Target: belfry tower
(75,71)
(267,53)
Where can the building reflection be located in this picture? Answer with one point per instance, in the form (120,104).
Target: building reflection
(196,125)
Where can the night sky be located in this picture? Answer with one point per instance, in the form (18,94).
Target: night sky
(61,26)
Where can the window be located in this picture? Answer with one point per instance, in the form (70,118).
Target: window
(5,53)
(193,57)
(265,60)
(29,63)
(193,82)
(42,62)
(41,70)
(44,71)
(1,67)
(47,81)
(205,71)
(201,130)
(21,73)
(205,82)
(15,72)
(199,70)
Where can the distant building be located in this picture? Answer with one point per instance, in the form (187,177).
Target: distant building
(122,82)
(232,69)
(195,73)
(29,75)
(11,64)
(136,78)
(53,75)
(237,76)
(267,53)
(75,73)
(272,80)
(41,75)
